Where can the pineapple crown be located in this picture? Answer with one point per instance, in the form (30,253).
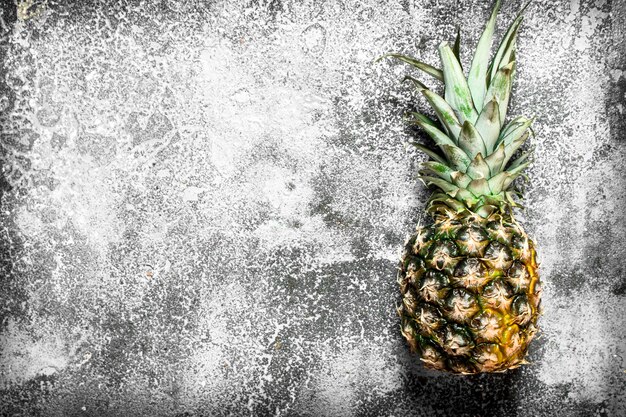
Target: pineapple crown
(472,169)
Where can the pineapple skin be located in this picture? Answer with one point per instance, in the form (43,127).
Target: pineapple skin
(471,292)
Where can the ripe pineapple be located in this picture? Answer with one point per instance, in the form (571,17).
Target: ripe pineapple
(469,281)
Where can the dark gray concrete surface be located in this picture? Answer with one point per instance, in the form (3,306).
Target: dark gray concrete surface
(203,204)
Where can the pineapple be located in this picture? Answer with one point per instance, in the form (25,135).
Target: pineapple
(469,281)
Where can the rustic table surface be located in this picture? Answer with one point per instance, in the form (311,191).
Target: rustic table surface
(203,206)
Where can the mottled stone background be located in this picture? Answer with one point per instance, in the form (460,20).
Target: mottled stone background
(203,204)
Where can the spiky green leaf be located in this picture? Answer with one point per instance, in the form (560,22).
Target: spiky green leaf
(457,158)
(447,200)
(507,46)
(460,179)
(471,141)
(476,78)
(493,199)
(496,182)
(437,135)
(517,170)
(505,59)
(488,124)
(456,48)
(512,147)
(515,129)
(418,84)
(485,211)
(457,93)
(509,180)
(413,117)
(495,160)
(428,69)
(434,155)
(479,187)
(512,59)
(510,197)
(441,170)
(523,158)
(466,196)
(478,168)
(438,182)
(500,89)
(444,112)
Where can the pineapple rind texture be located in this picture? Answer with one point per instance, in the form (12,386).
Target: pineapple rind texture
(471,293)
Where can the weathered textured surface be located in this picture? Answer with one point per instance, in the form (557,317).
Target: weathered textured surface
(203,205)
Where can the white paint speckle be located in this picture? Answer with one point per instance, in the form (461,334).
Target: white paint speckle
(192,193)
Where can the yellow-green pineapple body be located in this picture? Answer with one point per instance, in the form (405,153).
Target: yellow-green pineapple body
(470,293)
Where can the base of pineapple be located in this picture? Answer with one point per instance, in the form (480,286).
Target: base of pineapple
(470,293)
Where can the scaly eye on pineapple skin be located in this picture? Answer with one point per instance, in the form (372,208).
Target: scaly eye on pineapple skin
(469,281)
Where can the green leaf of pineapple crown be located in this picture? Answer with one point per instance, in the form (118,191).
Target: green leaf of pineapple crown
(473,163)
